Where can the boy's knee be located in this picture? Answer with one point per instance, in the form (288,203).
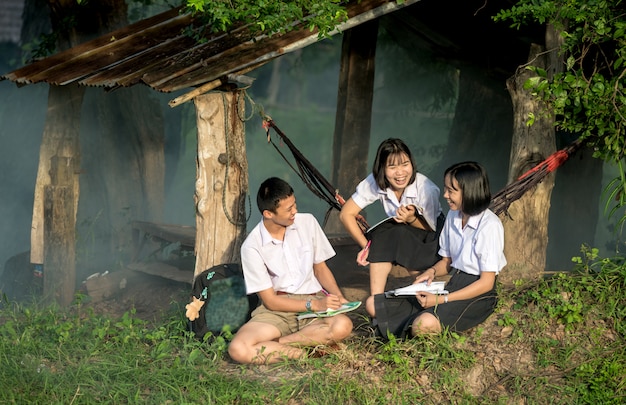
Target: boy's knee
(342,327)
(347,327)
(237,351)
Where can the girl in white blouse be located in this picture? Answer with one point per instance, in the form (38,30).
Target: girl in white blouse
(471,249)
(411,200)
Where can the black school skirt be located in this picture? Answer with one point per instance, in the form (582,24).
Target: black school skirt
(410,247)
(396,315)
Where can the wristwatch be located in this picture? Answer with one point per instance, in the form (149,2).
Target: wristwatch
(308,306)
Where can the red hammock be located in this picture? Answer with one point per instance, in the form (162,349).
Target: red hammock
(501,201)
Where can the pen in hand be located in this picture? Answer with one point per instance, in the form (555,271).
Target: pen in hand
(327,294)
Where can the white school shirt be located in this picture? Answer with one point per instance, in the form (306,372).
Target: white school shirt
(476,248)
(285,265)
(422,193)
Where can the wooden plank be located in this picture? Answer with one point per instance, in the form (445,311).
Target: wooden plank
(163,270)
(354,113)
(59,215)
(186,235)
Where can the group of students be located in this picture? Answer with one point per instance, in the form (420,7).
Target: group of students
(284,258)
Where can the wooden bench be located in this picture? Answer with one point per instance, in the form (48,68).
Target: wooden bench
(154,236)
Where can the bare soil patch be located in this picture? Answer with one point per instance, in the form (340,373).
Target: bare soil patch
(154,297)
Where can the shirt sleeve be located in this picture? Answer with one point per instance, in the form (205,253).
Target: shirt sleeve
(323,250)
(255,271)
(489,247)
(430,207)
(366,192)
(444,237)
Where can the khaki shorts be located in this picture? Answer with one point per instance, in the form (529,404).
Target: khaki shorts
(286,322)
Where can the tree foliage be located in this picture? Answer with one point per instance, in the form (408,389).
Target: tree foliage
(587,97)
(270,16)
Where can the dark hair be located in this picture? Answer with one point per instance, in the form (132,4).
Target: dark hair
(474,185)
(271,192)
(390,147)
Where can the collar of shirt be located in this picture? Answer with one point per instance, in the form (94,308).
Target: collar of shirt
(409,192)
(267,238)
(473,221)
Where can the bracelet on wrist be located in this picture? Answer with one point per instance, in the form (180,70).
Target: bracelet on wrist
(410,222)
(308,306)
(445,299)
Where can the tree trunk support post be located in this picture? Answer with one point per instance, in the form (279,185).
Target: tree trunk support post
(221,179)
(526,226)
(60,233)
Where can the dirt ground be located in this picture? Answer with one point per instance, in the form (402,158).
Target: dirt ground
(155,297)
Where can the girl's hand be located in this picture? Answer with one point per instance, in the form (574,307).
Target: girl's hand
(406,214)
(427,276)
(361,257)
(427,299)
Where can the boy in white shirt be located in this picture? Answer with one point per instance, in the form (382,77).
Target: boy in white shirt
(284,262)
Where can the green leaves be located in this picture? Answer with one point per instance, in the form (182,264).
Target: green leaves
(615,195)
(269,16)
(196,5)
(587,97)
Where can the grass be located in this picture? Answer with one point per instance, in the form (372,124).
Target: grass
(557,341)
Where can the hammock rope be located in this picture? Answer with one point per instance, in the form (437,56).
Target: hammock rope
(311,177)
(314,180)
(500,201)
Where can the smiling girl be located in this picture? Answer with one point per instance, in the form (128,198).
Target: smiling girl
(472,251)
(412,200)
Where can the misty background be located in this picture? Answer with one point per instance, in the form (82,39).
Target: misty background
(414,99)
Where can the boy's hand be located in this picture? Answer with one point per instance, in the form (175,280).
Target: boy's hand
(331,301)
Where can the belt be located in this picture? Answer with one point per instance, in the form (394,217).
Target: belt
(285,293)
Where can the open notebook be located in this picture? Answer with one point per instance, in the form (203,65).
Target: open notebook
(384,220)
(347,307)
(435,287)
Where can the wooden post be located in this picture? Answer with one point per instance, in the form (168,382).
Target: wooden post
(60,233)
(60,137)
(221,195)
(354,114)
